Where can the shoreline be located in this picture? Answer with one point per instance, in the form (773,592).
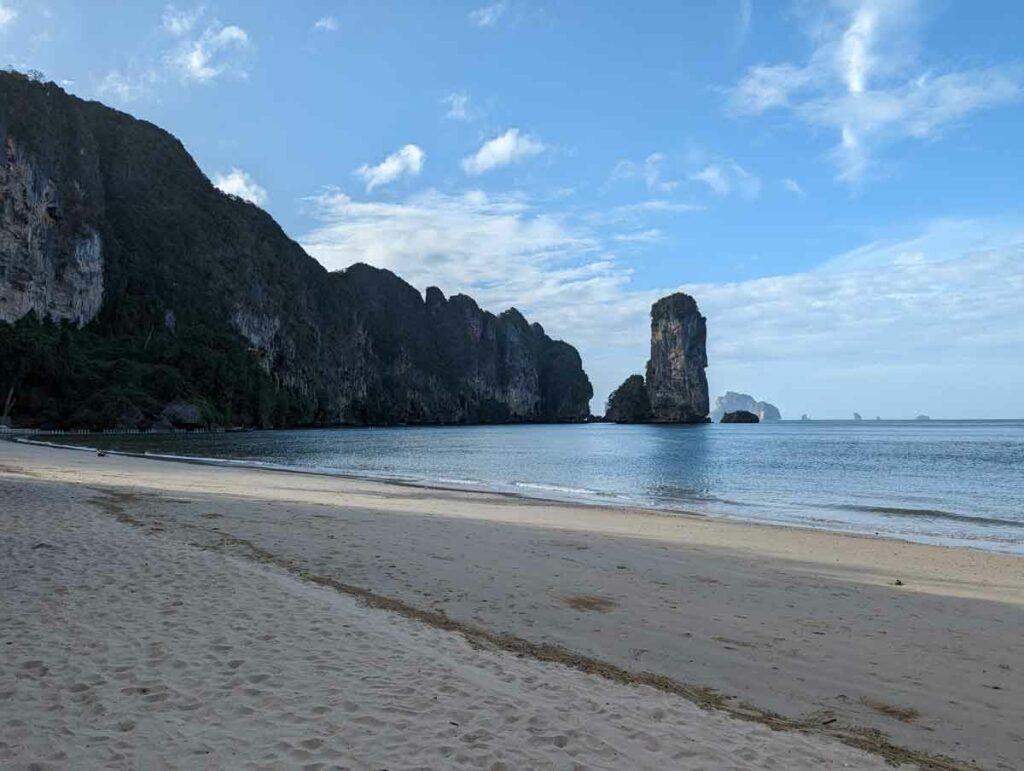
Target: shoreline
(482,488)
(917,646)
(113,657)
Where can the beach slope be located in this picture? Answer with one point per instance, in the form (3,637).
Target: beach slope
(237,616)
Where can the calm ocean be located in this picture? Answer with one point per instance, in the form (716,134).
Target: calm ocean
(946,482)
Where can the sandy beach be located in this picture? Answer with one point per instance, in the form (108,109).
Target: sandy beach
(169,615)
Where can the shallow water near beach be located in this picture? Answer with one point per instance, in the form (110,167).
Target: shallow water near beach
(944,482)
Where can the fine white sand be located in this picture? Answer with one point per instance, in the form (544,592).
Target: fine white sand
(122,649)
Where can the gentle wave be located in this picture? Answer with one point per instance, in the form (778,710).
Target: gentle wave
(897,511)
(565,490)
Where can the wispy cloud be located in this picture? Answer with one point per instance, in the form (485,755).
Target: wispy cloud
(887,338)
(124,88)
(650,171)
(407,160)
(180,21)
(326,24)
(488,15)
(744,19)
(457,103)
(726,177)
(216,51)
(793,186)
(240,183)
(636,211)
(200,50)
(863,80)
(505,149)
(648,236)
(8,16)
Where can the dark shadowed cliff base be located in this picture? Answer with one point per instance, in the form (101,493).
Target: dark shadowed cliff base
(134,294)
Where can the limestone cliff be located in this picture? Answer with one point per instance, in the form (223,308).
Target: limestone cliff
(128,283)
(676,387)
(676,381)
(50,259)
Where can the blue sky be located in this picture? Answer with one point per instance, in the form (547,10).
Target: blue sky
(838,183)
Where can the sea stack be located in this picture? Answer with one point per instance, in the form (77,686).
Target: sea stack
(676,382)
(676,385)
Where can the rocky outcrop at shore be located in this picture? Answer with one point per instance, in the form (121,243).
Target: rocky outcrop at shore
(129,283)
(676,387)
(740,416)
(629,403)
(733,402)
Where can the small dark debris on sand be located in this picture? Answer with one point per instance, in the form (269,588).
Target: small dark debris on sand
(589,602)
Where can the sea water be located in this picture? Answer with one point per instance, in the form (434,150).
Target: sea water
(945,482)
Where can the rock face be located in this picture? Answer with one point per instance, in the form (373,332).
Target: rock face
(740,416)
(676,382)
(629,403)
(129,283)
(676,387)
(733,401)
(51,261)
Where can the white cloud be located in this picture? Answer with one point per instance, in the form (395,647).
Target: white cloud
(406,160)
(639,236)
(801,340)
(728,176)
(8,15)
(179,22)
(326,24)
(457,103)
(240,183)
(713,176)
(649,171)
(194,56)
(488,15)
(120,87)
(217,51)
(634,211)
(510,147)
(793,186)
(939,240)
(862,80)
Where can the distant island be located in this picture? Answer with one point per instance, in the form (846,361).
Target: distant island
(134,294)
(735,402)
